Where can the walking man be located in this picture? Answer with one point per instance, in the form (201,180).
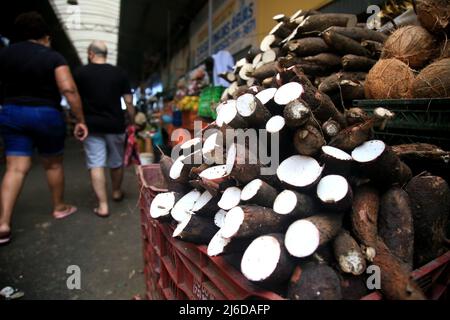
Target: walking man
(101,87)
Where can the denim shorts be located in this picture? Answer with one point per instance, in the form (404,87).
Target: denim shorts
(104,150)
(25,128)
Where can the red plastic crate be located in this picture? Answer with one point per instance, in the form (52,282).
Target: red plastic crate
(179,270)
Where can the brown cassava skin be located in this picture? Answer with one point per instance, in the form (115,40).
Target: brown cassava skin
(166,163)
(396,283)
(387,169)
(430,203)
(360,34)
(353,287)
(295,113)
(323,21)
(284,268)
(265,196)
(336,166)
(344,45)
(420,151)
(351,62)
(324,109)
(313,281)
(307,47)
(305,208)
(308,141)
(332,83)
(259,221)
(374,47)
(260,115)
(349,254)
(209,209)
(266,71)
(352,137)
(199,230)
(355,116)
(328,225)
(395,225)
(331,128)
(366,203)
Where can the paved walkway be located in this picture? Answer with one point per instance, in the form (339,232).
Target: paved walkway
(108,251)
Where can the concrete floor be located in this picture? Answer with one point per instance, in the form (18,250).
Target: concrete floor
(108,251)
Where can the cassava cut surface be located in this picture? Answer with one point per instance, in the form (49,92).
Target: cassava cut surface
(349,254)
(430,203)
(396,283)
(266,261)
(395,224)
(260,193)
(251,222)
(381,164)
(303,237)
(335,193)
(296,205)
(314,281)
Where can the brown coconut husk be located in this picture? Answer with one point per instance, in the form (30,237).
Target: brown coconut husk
(445,49)
(434,15)
(433,81)
(389,79)
(413,45)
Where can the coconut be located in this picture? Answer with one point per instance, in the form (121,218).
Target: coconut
(434,15)
(433,81)
(389,79)
(413,45)
(445,49)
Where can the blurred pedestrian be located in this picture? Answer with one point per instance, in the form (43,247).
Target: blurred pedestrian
(101,88)
(33,77)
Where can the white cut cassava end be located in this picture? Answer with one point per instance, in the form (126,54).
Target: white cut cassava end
(162,204)
(217,245)
(267,42)
(219,218)
(288,93)
(285,202)
(246,104)
(266,95)
(336,153)
(202,201)
(331,189)
(251,189)
(191,143)
(368,151)
(177,168)
(261,258)
(226,112)
(275,124)
(183,208)
(299,171)
(214,173)
(231,198)
(181,225)
(232,223)
(209,148)
(302,238)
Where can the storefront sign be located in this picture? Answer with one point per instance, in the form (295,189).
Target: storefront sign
(234,28)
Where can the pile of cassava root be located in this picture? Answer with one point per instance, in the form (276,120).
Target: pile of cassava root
(338,202)
(333,50)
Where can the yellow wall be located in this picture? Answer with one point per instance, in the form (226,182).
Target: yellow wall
(266,9)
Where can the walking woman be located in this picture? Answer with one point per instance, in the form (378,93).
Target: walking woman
(33,77)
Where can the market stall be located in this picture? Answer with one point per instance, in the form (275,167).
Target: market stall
(343,202)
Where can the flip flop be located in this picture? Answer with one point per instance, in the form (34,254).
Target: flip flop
(64,213)
(100,214)
(5,239)
(119,199)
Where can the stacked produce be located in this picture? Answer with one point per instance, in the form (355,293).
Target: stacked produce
(333,50)
(415,60)
(338,202)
